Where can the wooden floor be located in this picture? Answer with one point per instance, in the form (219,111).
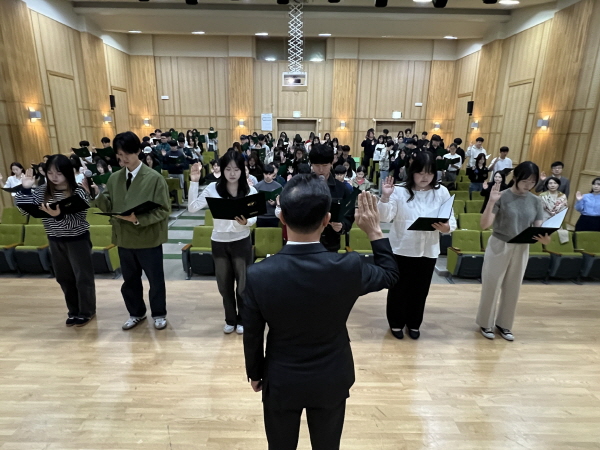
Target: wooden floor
(99,387)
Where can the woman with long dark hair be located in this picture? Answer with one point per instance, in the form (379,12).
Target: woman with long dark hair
(478,174)
(231,242)
(14,180)
(68,235)
(416,251)
(500,180)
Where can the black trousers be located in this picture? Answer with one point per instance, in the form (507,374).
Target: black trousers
(324,424)
(150,261)
(231,261)
(406,300)
(72,263)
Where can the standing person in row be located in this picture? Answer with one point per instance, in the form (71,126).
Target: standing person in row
(268,184)
(553,201)
(508,213)
(68,236)
(415,251)
(474,151)
(14,180)
(369,145)
(321,158)
(556,168)
(478,174)
(588,206)
(452,169)
(308,359)
(501,162)
(500,180)
(231,241)
(139,238)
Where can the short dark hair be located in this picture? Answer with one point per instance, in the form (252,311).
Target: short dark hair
(452,145)
(436,138)
(458,141)
(127,142)
(321,154)
(389,143)
(84,143)
(269,168)
(214,161)
(145,138)
(303,168)
(411,141)
(105,140)
(345,148)
(261,137)
(408,130)
(424,133)
(172,143)
(504,149)
(305,201)
(362,169)
(386,131)
(525,170)
(167,135)
(181,139)
(479,139)
(339,170)
(551,179)
(556,164)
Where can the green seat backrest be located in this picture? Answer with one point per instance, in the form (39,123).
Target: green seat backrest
(11,234)
(101,235)
(208,157)
(359,241)
(462,195)
(208,218)
(356,160)
(459,207)
(173,184)
(467,240)
(485,237)
(536,248)
(462,172)
(95,219)
(165,173)
(35,236)
(588,241)
(469,221)
(474,206)
(35,221)
(556,247)
(186,177)
(12,215)
(202,236)
(463,185)
(267,241)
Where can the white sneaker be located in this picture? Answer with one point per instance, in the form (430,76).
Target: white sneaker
(160,323)
(228,329)
(132,322)
(488,333)
(239,329)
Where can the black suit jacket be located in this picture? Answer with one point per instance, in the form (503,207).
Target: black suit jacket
(331,238)
(308,361)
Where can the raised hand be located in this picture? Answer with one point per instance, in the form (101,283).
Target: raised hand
(195,173)
(495,194)
(485,185)
(27,179)
(543,176)
(46,208)
(578,196)
(367,216)
(387,189)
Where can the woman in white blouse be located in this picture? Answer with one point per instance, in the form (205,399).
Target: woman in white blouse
(231,242)
(416,251)
(15,179)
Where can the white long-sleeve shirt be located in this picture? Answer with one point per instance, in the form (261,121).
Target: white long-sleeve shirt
(404,213)
(472,153)
(379,149)
(223,230)
(12,182)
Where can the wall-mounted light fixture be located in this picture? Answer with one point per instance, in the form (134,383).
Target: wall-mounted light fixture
(436,126)
(343,124)
(396,115)
(475,125)
(296,114)
(241,123)
(146,122)
(544,123)
(106,118)
(34,115)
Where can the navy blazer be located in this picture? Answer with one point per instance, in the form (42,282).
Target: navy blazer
(305,294)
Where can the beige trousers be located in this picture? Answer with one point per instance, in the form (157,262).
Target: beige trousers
(503,269)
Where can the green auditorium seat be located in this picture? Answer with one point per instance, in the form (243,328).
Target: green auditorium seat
(34,255)
(267,241)
(469,221)
(463,186)
(465,258)
(461,195)
(12,215)
(360,243)
(566,262)
(197,257)
(474,206)
(459,207)
(105,255)
(208,218)
(175,191)
(588,244)
(11,235)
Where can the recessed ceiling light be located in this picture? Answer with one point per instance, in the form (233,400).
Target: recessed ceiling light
(261,34)
(135,31)
(450,37)
(422,1)
(317,59)
(509,2)
(325,34)
(197,32)
(269,58)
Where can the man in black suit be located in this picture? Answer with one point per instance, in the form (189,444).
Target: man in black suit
(308,361)
(321,158)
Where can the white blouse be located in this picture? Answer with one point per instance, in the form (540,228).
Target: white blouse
(403,214)
(223,230)
(12,182)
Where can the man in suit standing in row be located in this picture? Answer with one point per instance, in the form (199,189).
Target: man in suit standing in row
(308,362)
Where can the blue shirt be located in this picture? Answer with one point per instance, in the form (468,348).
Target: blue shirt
(589,205)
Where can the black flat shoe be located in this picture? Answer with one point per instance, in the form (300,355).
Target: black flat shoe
(70,321)
(414,334)
(398,334)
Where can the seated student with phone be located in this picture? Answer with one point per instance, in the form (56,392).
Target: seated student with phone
(68,236)
(231,241)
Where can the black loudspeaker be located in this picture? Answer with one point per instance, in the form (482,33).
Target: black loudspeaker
(283,2)
(112,102)
(191,2)
(439,3)
(490,2)
(333,1)
(470,108)
(380,3)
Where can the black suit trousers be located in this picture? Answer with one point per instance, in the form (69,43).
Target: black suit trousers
(324,424)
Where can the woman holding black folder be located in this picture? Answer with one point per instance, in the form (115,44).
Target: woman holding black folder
(509,213)
(416,251)
(231,242)
(68,235)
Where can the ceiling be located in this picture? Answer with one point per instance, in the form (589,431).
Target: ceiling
(465,19)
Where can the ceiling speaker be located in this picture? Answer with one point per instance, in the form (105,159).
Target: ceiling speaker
(283,2)
(333,1)
(191,2)
(490,2)
(380,3)
(439,3)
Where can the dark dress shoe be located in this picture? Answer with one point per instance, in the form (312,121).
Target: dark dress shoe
(414,334)
(398,334)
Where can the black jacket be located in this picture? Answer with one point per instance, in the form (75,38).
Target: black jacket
(331,238)
(369,146)
(308,360)
(477,175)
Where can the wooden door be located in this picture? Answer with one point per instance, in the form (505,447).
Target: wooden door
(515,120)
(121,111)
(66,114)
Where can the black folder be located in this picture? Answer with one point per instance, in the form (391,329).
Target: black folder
(228,209)
(13,189)
(82,152)
(425,223)
(143,208)
(271,195)
(341,206)
(69,205)
(527,235)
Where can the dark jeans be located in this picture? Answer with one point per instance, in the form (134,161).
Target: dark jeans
(406,300)
(72,262)
(231,261)
(476,187)
(150,261)
(325,427)
(267,222)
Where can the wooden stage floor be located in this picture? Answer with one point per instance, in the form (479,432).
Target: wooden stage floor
(99,387)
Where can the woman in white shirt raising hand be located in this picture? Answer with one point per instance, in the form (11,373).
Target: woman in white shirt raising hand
(230,240)
(416,251)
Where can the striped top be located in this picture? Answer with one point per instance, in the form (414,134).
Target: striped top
(63,226)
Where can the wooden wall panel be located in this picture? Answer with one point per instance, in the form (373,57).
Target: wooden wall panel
(143,97)
(524,59)
(64,106)
(56,51)
(515,119)
(462,120)
(441,98)
(118,67)
(343,101)
(467,73)
(241,95)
